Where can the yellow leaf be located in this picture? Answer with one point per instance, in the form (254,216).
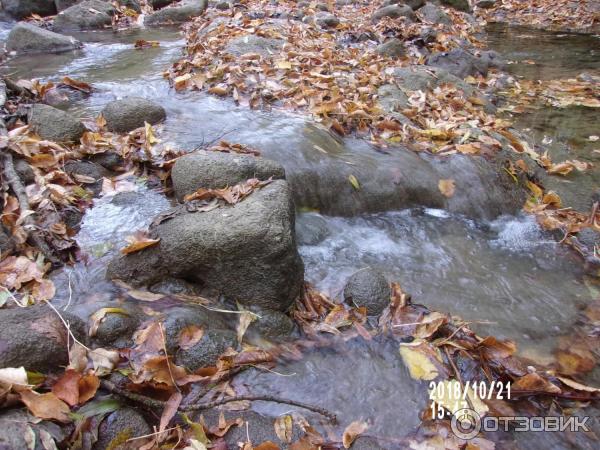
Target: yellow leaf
(283,64)
(419,365)
(354,182)
(446,187)
(283,428)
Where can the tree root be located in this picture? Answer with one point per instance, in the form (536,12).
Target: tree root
(157,404)
(29,223)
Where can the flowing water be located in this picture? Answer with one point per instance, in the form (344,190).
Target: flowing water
(506,276)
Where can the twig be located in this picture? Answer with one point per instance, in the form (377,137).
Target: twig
(19,190)
(66,324)
(152,403)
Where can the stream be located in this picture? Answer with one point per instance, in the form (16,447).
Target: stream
(506,276)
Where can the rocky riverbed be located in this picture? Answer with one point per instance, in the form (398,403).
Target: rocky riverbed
(228,210)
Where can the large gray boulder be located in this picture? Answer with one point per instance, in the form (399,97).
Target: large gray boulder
(394,12)
(36,338)
(28,38)
(183,12)
(251,43)
(55,125)
(123,424)
(87,15)
(215,170)
(130,113)
(20,9)
(61,5)
(246,251)
(461,63)
(434,14)
(368,288)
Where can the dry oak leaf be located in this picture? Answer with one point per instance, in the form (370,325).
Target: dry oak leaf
(447,187)
(46,406)
(352,431)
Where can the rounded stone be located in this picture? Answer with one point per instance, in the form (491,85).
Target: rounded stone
(368,288)
(206,352)
(55,125)
(123,424)
(130,113)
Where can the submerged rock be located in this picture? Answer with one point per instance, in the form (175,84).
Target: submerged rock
(119,426)
(207,351)
(130,113)
(117,328)
(28,38)
(87,15)
(271,325)
(215,170)
(368,288)
(311,229)
(55,125)
(20,9)
(185,11)
(36,338)
(394,12)
(246,251)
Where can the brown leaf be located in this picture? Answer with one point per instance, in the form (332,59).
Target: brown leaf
(79,85)
(190,336)
(352,431)
(495,349)
(532,382)
(46,406)
(138,241)
(67,387)
(446,187)
(170,410)
(88,386)
(267,445)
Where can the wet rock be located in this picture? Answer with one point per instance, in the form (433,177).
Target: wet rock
(28,38)
(123,424)
(24,171)
(589,238)
(157,4)
(394,11)
(71,216)
(256,428)
(181,317)
(20,9)
(206,352)
(61,5)
(311,229)
(109,160)
(175,286)
(368,288)
(215,170)
(251,43)
(7,244)
(185,11)
(326,20)
(130,113)
(414,4)
(35,337)
(87,15)
(434,14)
(459,63)
(392,48)
(246,251)
(485,4)
(460,5)
(55,125)
(116,329)
(21,431)
(271,325)
(86,168)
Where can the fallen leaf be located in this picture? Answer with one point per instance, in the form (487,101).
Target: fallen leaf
(354,182)
(138,241)
(446,187)
(352,431)
(532,382)
(67,387)
(170,410)
(190,336)
(284,428)
(246,318)
(46,406)
(419,365)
